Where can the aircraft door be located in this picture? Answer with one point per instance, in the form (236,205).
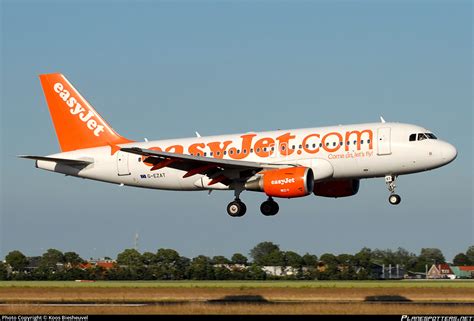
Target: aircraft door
(122,164)
(383,141)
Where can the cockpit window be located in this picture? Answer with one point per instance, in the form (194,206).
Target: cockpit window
(421,136)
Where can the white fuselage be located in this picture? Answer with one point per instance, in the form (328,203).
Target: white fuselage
(344,151)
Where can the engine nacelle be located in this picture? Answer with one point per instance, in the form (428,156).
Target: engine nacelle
(286,182)
(337,188)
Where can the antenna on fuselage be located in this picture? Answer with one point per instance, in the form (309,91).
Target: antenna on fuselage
(197,134)
(382,120)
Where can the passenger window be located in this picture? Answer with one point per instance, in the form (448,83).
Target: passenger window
(368,141)
(362,142)
(334,144)
(205,153)
(412,137)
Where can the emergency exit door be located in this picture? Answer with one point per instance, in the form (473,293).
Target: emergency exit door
(122,163)
(383,141)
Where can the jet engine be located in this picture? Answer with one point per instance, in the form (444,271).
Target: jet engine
(286,182)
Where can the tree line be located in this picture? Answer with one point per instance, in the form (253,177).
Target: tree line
(168,264)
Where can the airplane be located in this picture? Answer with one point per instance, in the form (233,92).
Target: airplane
(325,161)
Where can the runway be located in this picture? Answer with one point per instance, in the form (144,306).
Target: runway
(236,302)
(238,298)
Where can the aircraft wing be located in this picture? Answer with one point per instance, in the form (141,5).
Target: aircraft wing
(219,170)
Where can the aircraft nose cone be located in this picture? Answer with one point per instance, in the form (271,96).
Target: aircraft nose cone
(448,152)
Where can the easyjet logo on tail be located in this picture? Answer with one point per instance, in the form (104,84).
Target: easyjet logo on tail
(89,118)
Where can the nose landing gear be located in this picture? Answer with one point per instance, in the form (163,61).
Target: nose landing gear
(269,207)
(393,199)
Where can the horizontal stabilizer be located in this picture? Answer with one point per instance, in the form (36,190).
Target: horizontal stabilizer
(64,161)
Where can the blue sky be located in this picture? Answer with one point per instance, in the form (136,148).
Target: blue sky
(166,69)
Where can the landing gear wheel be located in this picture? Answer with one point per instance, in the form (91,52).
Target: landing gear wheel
(394,199)
(269,208)
(236,208)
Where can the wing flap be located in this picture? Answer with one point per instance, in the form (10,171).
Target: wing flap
(195,159)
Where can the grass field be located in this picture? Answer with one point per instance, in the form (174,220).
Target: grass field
(246,284)
(277,297)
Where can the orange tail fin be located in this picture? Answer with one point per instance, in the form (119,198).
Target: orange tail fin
(76,122)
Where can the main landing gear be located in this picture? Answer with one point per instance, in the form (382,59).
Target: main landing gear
(393,199)
(237,208)
(269,207)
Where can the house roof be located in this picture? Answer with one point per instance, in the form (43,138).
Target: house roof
(444,268)
(466,268)
(104,264)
